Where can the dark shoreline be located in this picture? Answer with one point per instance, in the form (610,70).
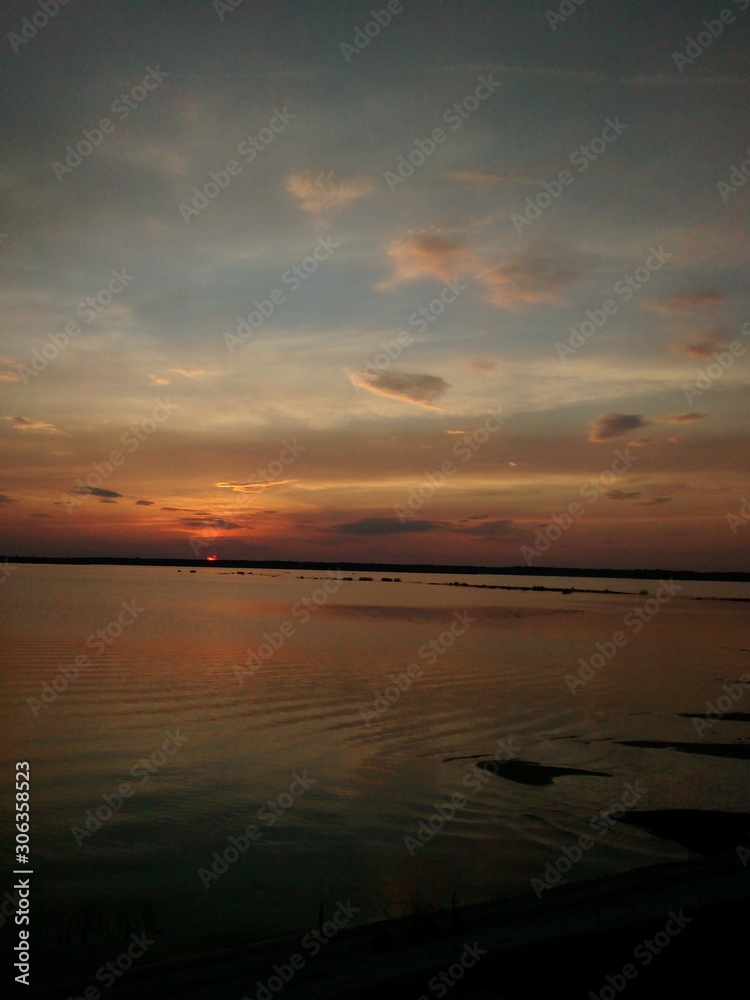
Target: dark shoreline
(569,939)
(357,567)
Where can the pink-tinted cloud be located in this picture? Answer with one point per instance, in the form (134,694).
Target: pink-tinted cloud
(702,345)
(33,426)
(428,253)
(683,303)
(320,195)
(484,180)
(682,418)
(528,279)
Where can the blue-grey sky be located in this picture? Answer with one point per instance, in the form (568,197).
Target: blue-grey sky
(262,280)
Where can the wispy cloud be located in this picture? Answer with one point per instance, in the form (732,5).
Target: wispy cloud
(702,345)
(255,487)
(385,526)
(97,491)
(192,372)
(217,523)
(502,530)
(33,426)
(320,195)
(479,366)
(8,373)
(528,277)
(409,387)
(427,253)
(681,418)
(485,180)
(621,495)
(684,303)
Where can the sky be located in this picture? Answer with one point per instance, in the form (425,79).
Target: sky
(418,282)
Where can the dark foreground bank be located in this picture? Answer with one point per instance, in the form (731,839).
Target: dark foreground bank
(677,930)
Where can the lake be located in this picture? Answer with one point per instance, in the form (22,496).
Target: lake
(217,755)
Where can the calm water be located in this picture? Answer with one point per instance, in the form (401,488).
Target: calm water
(172,671)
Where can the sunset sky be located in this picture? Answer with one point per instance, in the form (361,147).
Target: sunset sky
(554,171)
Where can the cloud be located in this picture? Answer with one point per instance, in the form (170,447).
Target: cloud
(427,253)
(385,526)
(189,510)
(256,487)
(702,345)
(526,278)
(96,491)
(480,366)
(192,372)
(8,372)
(682,418)
(614,425)
(107,500)
(683,303)
(482,180)
(320,195)
(6,499)
(144,503)
(210,522)
(409,387)
(155,380)
(26,424)
(654,501)
(621,495)
(498,531)
(529,278)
